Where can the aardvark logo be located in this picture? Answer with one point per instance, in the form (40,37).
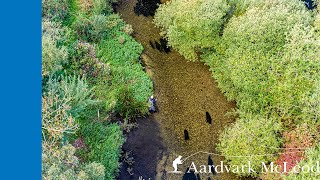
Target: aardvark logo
(175,164)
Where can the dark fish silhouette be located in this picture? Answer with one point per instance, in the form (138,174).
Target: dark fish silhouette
(158,46)
(186,135)
(164,45)
(189,175)
(146,7)
(151,44)
(208,118)
(210,163)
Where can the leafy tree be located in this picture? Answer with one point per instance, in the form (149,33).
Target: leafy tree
(258,63)
(191,25)
(252,138)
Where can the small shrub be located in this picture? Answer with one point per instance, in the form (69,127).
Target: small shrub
(61,163)
(94,28)
(70,90)
(85,63)
(103,6)
(55,9)
(53,57)
(311,160)
(56,121)
(85,5)
(295,142)
(104,144)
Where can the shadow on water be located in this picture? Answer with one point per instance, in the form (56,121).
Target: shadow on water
(310,4)
(145,145)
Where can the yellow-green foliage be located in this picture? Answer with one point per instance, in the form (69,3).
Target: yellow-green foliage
(52,56)
(254,139)
(191,24)
(61,163)
(259,64)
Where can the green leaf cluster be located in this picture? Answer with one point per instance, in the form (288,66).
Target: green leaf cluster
(254,139)
(191,25)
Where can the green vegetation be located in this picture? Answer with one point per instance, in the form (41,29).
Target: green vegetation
(265,55)
(251,138)
(91,72)
(185,32)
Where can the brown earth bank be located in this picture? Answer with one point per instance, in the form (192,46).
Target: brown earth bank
(185,92)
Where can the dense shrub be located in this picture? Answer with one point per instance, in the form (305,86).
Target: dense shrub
(63,100)
(124,88)
(85,63)
(61,163)
(55,9)
(130,86)
(73,91)
(252,138)
(94,28)
(191,25)
(252,64)
(53,56)
(104,145)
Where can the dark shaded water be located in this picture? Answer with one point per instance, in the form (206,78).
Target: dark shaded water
(310,4)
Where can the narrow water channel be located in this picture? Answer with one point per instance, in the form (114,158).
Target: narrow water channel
(185,92)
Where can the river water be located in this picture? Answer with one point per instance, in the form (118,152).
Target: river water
(185,92)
